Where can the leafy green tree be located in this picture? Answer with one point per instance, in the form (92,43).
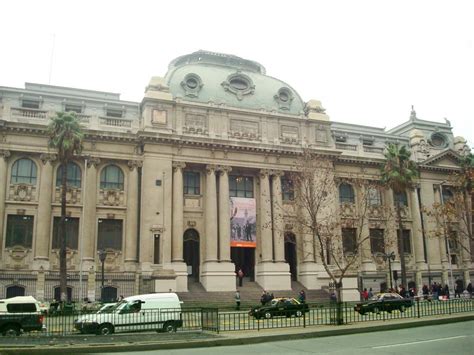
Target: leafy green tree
(399,173)
(65,135)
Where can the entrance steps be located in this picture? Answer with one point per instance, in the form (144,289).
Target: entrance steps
(250,294)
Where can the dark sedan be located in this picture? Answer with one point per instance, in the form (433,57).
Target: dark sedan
(384,302)
(280,307)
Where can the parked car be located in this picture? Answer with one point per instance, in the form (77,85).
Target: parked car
(106,308)
(280,307)
(156,311)
(384,302)
(20,314)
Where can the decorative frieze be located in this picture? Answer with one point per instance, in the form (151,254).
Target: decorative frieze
(134,164)
(242,129)
(111,197)
(45,158)
(22,192)
(73,195)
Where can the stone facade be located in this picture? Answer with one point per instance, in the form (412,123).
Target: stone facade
(213,118)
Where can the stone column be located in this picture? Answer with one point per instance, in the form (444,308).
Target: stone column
(211,213)
(43,225)
(277,216)
(132,213)
(224,214)
(4,154)
(178,210)
(417,236)
(265,218)
(89,205)
(441,228)
(366,253)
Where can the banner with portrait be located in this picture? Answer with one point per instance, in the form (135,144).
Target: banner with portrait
(243,222)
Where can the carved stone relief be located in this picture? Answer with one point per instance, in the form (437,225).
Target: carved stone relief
(289,134)
(73,195)
(195,124)
(159,117)
(242,129)
(321,134)
(22,192)
(111,197)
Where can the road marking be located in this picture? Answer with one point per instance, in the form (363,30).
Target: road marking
(418,342)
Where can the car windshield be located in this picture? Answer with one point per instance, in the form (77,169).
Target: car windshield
(118,305)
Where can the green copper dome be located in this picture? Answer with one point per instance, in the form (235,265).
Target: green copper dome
(226,79)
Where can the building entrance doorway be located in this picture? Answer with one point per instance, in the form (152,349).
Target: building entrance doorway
(191,252)
(290,254)
(244,258)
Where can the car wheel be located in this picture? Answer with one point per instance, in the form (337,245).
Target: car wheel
(376,310)
(402,309)
(105,329)
(169,327)
(299,314)
(11,330)
(268,315)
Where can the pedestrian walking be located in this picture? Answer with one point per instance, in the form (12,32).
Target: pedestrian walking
(240,275)
(371,293)
(469,289)
(237,300)
(302,296)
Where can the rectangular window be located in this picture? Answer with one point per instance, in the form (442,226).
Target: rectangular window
(192,183)
(349,240)
(287,189)
(72,233)
(21,308)
(73,108)
(110,234)
(116,113)
(25,103)
(241,186)
(19,231)
(406,241)
(400,198)
(377,244)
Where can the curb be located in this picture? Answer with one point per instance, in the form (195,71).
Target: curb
(242,339)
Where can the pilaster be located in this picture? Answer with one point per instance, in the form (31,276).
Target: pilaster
(224,214)
(131,238)
(90,218)
(4,155)
(265,217)
(178,203)
(43,226)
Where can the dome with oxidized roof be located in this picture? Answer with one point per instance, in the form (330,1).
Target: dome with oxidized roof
(209,77)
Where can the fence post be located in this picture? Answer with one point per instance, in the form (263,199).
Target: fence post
(418,307)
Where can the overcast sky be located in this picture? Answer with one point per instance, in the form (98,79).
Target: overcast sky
(367,61)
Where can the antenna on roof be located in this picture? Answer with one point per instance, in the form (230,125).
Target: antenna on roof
(51,59)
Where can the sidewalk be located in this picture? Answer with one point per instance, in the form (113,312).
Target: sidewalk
(182,340)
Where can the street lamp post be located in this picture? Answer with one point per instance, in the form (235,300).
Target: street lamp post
(390,257)
(102,256)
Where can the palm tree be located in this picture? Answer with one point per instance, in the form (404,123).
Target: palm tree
(398,172)
(65,135)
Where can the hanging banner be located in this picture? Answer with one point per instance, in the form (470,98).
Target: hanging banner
(243,226)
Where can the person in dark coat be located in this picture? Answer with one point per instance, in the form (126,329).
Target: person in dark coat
(469,289)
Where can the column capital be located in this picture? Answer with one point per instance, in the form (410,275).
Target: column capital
(92,161)
(5,154)
(224,169)
(48,158)
(211,169)
(264,173)
(277,173)
(178,165)
(133,164)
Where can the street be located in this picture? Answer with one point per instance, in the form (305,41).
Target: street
(455,338)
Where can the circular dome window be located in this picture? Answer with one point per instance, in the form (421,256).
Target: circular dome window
(284,97)
(192,83)
(239,83)
(438,140)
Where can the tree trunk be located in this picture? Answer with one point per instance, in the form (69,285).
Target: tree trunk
(339,313)
(62,235)
(402,247)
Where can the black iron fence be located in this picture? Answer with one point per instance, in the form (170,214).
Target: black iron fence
(70,321)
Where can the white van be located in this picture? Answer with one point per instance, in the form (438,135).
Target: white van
(155,311)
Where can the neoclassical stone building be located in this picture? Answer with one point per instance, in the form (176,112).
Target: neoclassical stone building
(183,186)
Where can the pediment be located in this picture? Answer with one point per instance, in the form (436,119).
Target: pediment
(445,159)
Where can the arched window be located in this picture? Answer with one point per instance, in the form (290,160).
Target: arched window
(57,293)
(111,177)
(447,195)
(401,198)
(14,291)
(346,193)
(73,175)
(24,172)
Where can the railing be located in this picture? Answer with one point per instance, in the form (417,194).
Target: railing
(83,118)
(115,122)
(29,112)
(62,322)
(345,146)
(370,149)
